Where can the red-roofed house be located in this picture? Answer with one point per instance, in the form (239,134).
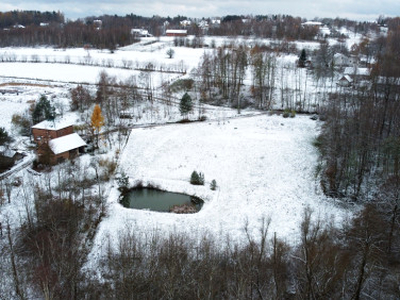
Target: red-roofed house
(176,32)
(57,141)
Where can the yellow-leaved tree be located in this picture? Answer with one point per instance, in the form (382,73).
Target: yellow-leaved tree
(96,122)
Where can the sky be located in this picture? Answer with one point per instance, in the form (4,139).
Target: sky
(361,10)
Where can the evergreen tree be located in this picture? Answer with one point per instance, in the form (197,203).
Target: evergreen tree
(97,121)
(186,105)
(43,110)
(302,59)
(213,185)
(197,178)
(4,137)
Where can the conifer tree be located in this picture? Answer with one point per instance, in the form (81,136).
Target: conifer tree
(43,110)
(97,121)
(186,105)
(302,59)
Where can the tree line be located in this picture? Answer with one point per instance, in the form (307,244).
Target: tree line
(114,30)
(359,141)
(45,257)
(26,18)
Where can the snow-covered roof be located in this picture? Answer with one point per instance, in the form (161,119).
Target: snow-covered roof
(177,31)
(186,22)
(7,152)
(66,143)
(346,77)
(57,124)
(337,55)
(325,30)
(139,31)
(357,71)
(312,23)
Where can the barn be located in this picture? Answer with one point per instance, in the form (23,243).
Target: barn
(56,141)
(176,32)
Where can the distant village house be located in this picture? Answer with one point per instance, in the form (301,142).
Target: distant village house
(341,60)
(140,32)
(345,81)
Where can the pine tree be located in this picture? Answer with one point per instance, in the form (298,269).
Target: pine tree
(302,59)
(97,121)
(43,110)
(186,105)
(4,137)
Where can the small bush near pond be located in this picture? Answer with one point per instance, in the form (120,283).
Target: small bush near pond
(213,185)
(123,182)
(197,178)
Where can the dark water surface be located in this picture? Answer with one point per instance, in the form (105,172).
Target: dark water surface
(157,200)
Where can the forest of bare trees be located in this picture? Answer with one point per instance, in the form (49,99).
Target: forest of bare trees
(360,138)
(45,258)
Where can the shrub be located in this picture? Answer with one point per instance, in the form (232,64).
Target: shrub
(197,178)
(182,85)
(108,167)
(286,113)
(123,182)
(213,185)
(289,113)
(22,123)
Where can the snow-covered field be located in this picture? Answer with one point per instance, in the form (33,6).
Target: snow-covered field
(264,167)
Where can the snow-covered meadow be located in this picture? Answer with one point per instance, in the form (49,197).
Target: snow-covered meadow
(264,167)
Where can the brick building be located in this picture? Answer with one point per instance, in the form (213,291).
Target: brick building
(56,141)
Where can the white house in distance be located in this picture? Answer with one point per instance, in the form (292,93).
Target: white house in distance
(345,81)
(353,74)
(140,32)
(357,73)
(341,60)
(186,23)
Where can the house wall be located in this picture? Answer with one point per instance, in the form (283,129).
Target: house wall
(46,134)
(6,162)
(46,156)
(54,159)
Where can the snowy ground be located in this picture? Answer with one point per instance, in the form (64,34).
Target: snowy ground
(264,167)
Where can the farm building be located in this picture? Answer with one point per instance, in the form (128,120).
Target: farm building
(176,32)
(56,141)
